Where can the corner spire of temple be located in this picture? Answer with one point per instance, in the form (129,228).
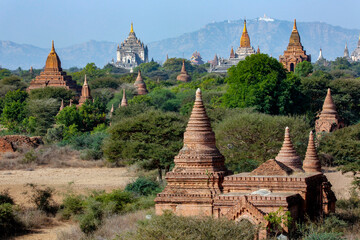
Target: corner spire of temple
(245,39)
(311,162)
(232,54)
(183,76)
(124,102)
(287,154)
(140,85)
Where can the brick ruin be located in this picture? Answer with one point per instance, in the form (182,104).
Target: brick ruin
(183,76)
(200,184)
(12,143)
(140,85)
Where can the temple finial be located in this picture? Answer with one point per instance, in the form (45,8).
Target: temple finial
(85,81)
(52,47)
(244,30)
(132,28)
(295,27)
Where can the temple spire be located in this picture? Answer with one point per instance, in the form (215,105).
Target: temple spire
(287,154)
(311,162)
(183,76)
(295,27)
(232,54)
(258,50)
(140,84)
(124,100)
(85,92)
(132,28)
(62,105)
(52,47)
(245,39)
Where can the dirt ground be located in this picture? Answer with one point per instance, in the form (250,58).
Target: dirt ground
(62,180)
(82,180)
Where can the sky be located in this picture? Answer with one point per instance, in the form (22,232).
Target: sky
(69,22)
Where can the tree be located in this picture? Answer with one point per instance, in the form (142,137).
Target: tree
(175,64)
(303,69)
(342,148)
(14,111)
(249,139)
(57,93)
(147,67)
(150,139)
(261,82)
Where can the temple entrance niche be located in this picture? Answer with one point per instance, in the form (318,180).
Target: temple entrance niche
(292,69)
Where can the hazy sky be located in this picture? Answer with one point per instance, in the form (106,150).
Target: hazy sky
(69,22)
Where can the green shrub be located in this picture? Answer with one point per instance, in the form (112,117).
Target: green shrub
(143,186)
(9,224)
(118,199)
(6,198)
(42,198)
(92,218)
(323,236)
(72,205)
(169,226)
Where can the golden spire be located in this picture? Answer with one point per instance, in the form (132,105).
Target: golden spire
(295,28)
(53,61)
(132,28)
(52,47)
(245,39)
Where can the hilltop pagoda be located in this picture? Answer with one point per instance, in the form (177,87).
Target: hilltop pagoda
(53,75)
(295,52)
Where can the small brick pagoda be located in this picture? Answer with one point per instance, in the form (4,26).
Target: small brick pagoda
(183,76)
(295,52)
(140,85)
(124,102)
(85,93)
(200,184)
(53,75)
(329,119)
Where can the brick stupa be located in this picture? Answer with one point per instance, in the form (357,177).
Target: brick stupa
(140,85)
(311,162)
(53,75)
(200,184)
(85,93)
(198,172)
(124,102)
(295,52)
(183,76)
(329,119)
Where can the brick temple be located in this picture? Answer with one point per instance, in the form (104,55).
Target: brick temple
(295,52)
(53,75)
(201,185)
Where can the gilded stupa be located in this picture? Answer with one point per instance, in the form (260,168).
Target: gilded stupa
(245,49)
(53,75)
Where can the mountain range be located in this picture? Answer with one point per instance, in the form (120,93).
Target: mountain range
(271,35)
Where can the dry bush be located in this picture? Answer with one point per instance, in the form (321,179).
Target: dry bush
(45,155)
(112,226)
(34,218)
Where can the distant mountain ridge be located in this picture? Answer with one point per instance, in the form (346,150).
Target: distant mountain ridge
(270,35)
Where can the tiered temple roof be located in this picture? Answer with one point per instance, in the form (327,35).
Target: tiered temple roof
(183,76)
(295,52)
(53,75)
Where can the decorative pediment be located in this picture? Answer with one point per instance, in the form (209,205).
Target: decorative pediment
(271,168)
